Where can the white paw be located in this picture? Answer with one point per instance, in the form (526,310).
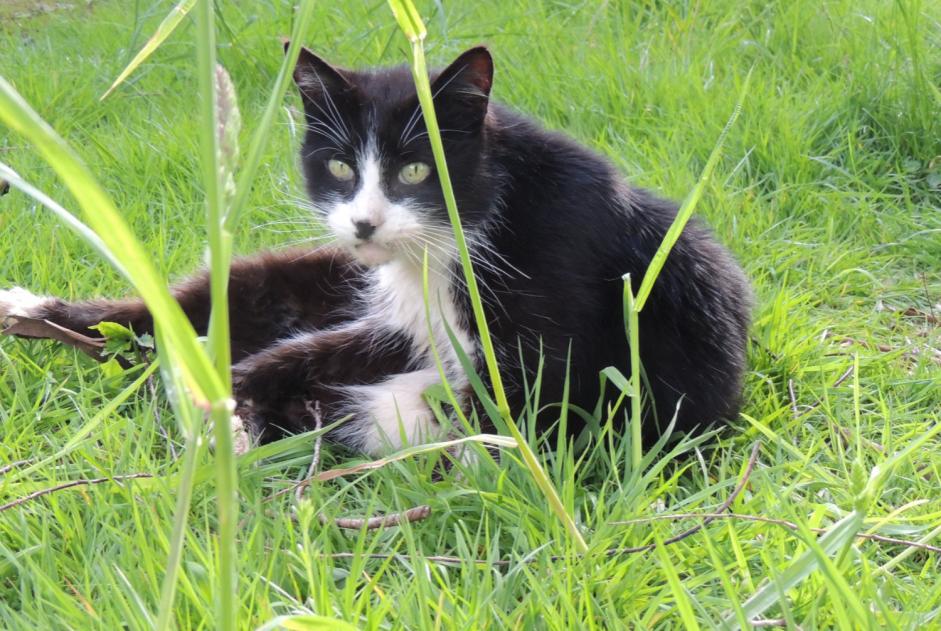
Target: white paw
(19,303)
(242,439)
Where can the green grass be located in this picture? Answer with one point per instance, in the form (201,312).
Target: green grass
(829,193)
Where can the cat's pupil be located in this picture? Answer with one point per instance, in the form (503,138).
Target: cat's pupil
(340,170)
(414,173)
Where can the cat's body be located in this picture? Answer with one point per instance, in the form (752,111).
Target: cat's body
(552,228)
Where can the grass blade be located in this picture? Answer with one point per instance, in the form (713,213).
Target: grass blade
(163,31)
(688,206)
(262,135)
(832,541)
(103,217)
(218,145)
(411,24)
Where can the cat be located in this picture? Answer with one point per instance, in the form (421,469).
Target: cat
(552,228)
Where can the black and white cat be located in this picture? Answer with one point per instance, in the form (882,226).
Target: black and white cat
(552,227)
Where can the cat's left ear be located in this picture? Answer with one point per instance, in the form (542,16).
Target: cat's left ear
(314,76)
(466,82)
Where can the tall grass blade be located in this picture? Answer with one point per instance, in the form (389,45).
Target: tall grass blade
(633,332)
(103,218)
(163,31)
(411,24)
(683,603)
(219,149)
(688,206)
(188,418)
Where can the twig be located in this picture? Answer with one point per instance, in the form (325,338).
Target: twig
(352,523)
(846,375)
(73,483)
(13,465)
(314,411)
(438,558)
(768,622)
(790,391)
(749,467)
(382,521)
(770,520)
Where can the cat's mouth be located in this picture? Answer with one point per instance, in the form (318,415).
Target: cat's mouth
(371,254)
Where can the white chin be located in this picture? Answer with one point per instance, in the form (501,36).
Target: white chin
(372,254)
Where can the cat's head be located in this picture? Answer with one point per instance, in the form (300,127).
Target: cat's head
(368,161)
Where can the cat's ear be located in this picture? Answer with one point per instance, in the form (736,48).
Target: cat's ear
(466,82)
(314,76)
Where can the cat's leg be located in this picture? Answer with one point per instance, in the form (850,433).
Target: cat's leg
(357,370)
(270,295)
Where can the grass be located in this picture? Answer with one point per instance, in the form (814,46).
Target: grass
(829,193)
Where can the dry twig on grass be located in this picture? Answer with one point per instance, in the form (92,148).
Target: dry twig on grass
(69,485)
(417,513)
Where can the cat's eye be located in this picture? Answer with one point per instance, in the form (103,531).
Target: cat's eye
(414,173)
(340,170)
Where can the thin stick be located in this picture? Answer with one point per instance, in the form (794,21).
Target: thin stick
(846,375)
(73,483)
(411,515)
(382,521)
(790,390)
(314,411)
(749,467)
(13,465)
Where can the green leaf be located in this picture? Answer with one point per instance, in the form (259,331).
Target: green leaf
(112,368)
(830,543)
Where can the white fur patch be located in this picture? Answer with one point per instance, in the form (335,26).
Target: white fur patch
(393,413)
(241,439)
(398,302)
(19,303)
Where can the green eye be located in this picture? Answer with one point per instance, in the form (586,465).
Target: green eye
(340,170)
(414,173)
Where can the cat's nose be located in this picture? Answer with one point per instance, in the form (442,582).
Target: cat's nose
(364,229)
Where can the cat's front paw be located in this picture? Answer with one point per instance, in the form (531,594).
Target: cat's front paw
(243,436)
(18,303)
(242,439)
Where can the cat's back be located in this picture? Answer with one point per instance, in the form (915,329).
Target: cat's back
(573,224)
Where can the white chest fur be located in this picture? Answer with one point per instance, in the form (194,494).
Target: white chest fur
(398,300)
(394,409)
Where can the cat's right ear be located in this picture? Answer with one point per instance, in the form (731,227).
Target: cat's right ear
(314,76)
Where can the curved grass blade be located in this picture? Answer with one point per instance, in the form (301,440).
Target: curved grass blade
(163,31)
(103,218)
(262,135)
(688,206)
(64,215)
